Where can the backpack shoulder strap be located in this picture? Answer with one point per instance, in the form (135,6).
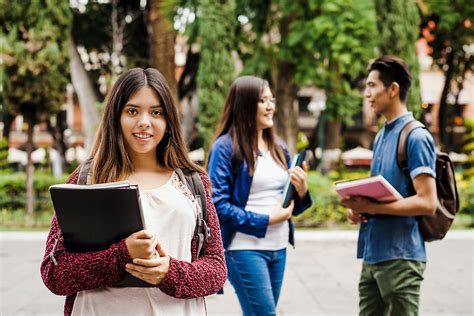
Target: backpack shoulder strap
(199,190)
(84,171)
(402,144)
(194,183)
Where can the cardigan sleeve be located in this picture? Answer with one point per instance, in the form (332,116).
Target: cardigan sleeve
(205,275)
(66,273)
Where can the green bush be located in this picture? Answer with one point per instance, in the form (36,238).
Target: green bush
(326,210)
(3,153)
(466,197)
(468,149)
(13,196)
(20,219)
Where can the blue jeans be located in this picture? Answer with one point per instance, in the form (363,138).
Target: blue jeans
(257,276)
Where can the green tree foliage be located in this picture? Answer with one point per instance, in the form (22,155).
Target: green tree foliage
(397,24)
(291,43)
(469,149)
(450,24)
(34,42)
(216,68)
(331,43)
(34,45)
(326,43)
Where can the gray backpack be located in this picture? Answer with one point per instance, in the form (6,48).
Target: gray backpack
(193,181)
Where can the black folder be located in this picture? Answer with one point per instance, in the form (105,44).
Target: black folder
(93,217)
(289,190)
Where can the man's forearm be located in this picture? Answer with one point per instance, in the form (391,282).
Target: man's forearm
(410,206)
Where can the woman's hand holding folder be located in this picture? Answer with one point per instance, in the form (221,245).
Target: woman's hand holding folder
(150,262)
(153,270)
(298,179)
(141,244)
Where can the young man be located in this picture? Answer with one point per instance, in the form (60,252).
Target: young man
(390,242)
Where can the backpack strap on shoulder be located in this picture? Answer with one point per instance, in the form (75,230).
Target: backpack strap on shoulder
(182,178)
(84,171)
(402,145)
(194,183)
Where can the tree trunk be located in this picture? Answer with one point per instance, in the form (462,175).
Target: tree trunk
(162,40)
(61,126)
(57,132)
(332,134)
(331,140)
(188,98)
(86,94)
(287,111)
(285,93)
(30,194)
(7,124)
(118,26)
(444,96)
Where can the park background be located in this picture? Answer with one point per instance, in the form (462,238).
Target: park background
(59,59)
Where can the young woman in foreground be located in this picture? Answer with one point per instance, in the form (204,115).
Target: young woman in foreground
(139,140)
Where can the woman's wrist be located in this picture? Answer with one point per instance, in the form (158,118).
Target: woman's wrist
(302,193)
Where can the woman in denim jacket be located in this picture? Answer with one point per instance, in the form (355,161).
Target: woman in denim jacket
(248,168)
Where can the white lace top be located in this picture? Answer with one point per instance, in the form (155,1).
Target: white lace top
(170,213)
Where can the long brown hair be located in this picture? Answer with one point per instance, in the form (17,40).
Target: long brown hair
(239,120)
(110,159)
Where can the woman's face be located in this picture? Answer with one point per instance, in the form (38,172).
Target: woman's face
(265,110)
(143,123)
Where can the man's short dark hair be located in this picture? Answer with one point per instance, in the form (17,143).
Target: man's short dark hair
(393,69)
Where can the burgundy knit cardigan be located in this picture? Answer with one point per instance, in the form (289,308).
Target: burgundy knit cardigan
(66,273)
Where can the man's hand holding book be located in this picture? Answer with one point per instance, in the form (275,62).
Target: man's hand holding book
(363,196)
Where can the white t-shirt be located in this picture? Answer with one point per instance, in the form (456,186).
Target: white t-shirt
(170,213)
(268,182)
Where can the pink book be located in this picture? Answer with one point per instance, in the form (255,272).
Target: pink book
(375,187)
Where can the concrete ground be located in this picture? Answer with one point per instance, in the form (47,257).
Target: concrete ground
(321,277)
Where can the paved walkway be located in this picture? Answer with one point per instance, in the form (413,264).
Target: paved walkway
(321,277)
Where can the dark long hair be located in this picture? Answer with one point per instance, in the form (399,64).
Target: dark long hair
(239,120)
(110,159)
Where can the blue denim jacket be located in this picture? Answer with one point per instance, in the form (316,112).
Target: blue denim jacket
(230,192)
(387,237)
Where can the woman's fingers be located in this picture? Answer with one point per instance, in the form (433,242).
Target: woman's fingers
(304,166)
(148,262)
(152,271)
(143,234)
(298,179)
(297,176)
(300,173)
(160,250)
